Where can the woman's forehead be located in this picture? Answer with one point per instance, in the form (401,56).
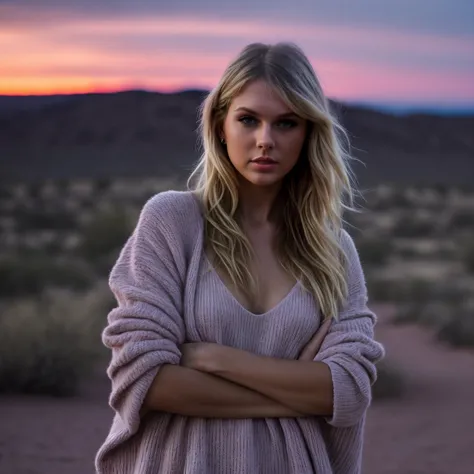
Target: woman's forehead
(260,98)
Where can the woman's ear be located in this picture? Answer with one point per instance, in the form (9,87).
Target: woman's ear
(221,135)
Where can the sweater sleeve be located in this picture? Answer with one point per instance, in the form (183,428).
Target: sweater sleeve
(349,348)
(146,328)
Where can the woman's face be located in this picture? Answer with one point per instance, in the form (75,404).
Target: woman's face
(263,136)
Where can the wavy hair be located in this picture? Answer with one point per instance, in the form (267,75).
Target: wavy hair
(317,190)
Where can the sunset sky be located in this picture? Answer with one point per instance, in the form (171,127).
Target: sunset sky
(406,51)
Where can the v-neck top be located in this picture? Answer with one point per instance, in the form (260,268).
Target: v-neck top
(168,293)
(208,268)
(223,319)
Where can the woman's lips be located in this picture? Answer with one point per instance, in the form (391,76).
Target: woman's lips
(264,160)
(263,164)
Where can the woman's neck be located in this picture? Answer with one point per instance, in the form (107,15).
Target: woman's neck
(257,205)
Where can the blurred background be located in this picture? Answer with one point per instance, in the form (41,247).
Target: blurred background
(98,109)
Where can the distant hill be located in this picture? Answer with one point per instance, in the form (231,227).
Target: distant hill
(139,133)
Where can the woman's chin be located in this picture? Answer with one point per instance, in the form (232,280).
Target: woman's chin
(262,179)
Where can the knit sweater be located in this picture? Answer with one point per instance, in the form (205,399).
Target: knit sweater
(167,294)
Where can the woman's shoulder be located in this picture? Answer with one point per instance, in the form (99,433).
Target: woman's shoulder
(176,211)
(171,203)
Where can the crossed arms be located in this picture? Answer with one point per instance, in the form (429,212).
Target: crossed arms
(223,382)
(153,369)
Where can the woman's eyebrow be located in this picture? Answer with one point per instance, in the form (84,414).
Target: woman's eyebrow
(250,111)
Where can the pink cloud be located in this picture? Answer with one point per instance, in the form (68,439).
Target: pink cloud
(172,53)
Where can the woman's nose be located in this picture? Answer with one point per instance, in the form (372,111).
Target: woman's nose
(265,139)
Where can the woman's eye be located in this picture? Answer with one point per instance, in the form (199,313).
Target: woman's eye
(247,120)
(287,124)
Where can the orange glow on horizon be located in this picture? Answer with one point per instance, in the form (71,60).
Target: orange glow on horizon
(336,88)
(341,80)
(86,86)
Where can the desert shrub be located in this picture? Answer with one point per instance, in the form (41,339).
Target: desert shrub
(34,190)
(468,257)
(5,192)
(407,226)
(374,251)
(400,200)
(28,274)
(431,313)
(48,344)
(102,185)
(380,204)
(408,253)
(390,382)
(104,236)
(44,219)
(441,189)
(407,314)
(448,310)
(398,291)
(462,219)
(379,289)
(415,290)
(458,330)
(54,247)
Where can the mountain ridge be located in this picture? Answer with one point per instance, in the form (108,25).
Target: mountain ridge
(138,133)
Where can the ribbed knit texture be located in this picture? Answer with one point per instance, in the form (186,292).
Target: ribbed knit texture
(167,294)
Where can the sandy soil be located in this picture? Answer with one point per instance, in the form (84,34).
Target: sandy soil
(428,431)
(431,429)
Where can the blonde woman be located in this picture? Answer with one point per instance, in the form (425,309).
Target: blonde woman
(226,292)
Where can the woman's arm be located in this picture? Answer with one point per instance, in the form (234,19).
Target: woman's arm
(201,394)
(305,387)
(184,391)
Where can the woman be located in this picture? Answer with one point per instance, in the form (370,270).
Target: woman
(217,363)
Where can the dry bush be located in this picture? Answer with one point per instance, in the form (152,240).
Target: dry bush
(374,251)
(44,218)
(449,311)
(29,273)
(431,314)
(398,199)
(103,237)
(48,343)
(446,306)
(398,291)
(458,331)
(468,257)
(390,381)
(409,226)
(462,219)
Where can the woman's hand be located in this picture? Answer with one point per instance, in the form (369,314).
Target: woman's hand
(202,355)
(312,347)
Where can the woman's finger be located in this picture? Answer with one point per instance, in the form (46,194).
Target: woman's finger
(312,347)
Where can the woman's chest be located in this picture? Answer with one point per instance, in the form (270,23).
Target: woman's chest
(271,284)
(218,316)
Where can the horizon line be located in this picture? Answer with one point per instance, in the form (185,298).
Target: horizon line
(384,105)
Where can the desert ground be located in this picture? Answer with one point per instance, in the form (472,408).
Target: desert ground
(427,430)
(74,175)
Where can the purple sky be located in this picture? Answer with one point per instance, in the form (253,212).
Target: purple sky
(414,51)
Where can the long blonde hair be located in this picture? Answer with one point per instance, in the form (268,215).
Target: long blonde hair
(317,190)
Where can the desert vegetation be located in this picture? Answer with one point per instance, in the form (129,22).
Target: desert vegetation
(58,241)
(418,255)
